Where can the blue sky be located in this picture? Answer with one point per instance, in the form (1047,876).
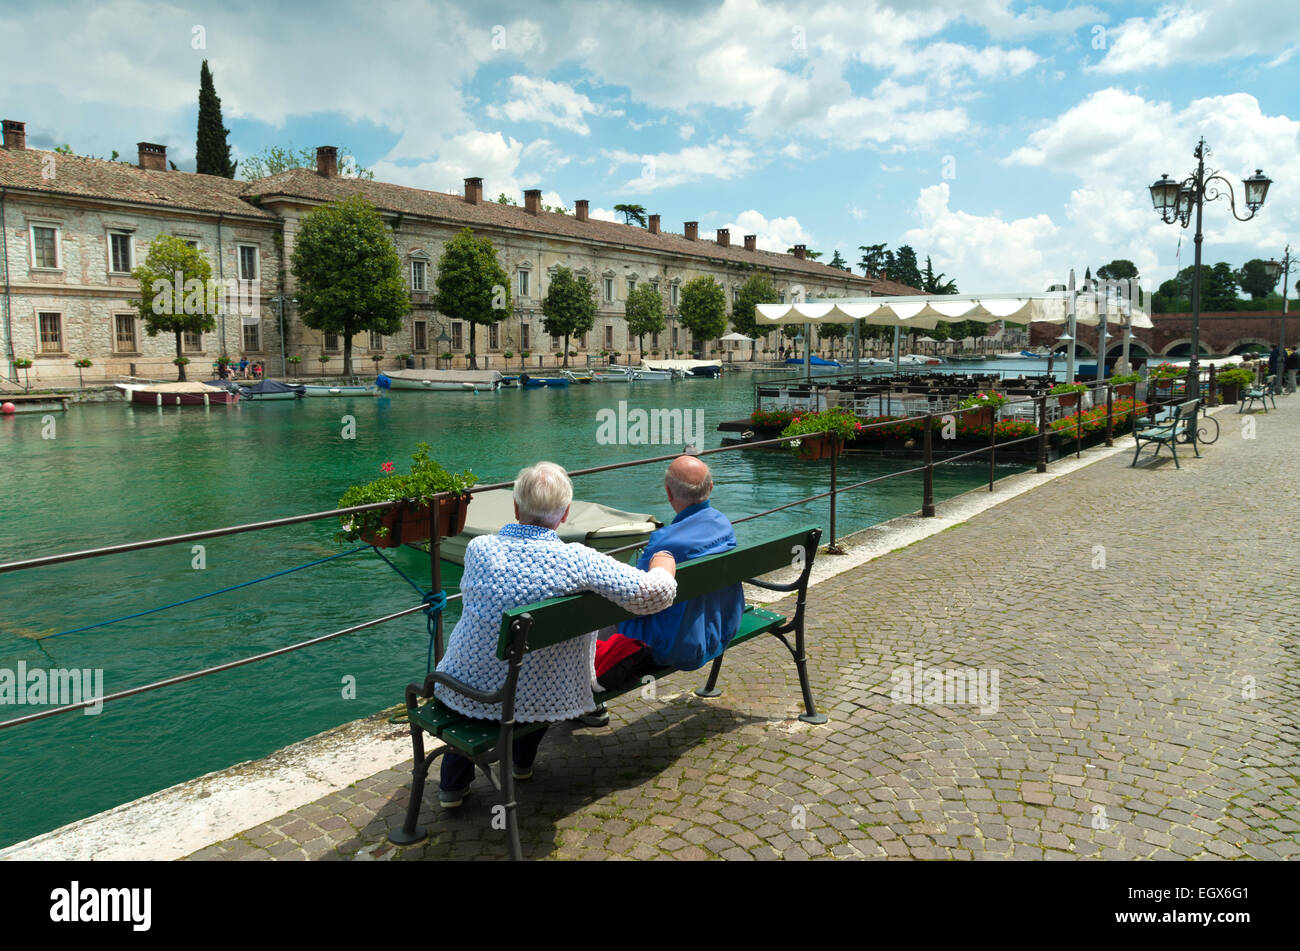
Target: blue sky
(1009,141)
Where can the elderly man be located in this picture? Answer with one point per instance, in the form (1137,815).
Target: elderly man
(523,563)
(686,635)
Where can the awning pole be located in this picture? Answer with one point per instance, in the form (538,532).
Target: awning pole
(896,333)
(807,350)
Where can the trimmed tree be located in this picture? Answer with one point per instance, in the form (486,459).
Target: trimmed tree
(569,308)
(632,213)
(644,312)
(348,273)
(704,309)
(759,289)
(472,285)
(275,159)
(212,152)
(177,295)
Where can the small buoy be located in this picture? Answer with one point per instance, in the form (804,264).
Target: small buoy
(8,409)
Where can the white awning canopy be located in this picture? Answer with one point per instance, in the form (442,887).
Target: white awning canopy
(923,313)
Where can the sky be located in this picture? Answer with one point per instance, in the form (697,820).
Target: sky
(1008,141)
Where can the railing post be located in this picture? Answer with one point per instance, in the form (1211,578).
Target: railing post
(1212,397)
(1110,419)
(435,572)
(927,498)
(993,442)
(832,548)
(1042,433)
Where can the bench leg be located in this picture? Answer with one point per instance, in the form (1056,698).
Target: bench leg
(410,833)
(1137,450)
(1174,451)
(710,689)
(801,664)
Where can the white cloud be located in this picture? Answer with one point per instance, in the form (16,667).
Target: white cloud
(723,159)
(773,234)
(540,100)
(984,253)
(487,155)
(890,168)
(1202,31)
(605,214)
(686,131)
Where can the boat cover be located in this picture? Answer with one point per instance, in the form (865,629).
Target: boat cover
(815,361)
(587,523)
(273,386)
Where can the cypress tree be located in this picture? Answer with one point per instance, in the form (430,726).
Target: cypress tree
(212,152)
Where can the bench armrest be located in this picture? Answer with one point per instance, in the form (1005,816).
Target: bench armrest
(416,691)
(773,586)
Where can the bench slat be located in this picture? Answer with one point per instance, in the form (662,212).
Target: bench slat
(559,619)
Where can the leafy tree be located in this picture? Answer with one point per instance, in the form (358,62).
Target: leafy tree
(166,306)
(1121,269)
(644,312)
(275,159)
(632,213)
(212,152)
(875,258)
(703,309)
(504,199)
(838,261)
(810,255)
(933,283)
(348,273)
(904,268)
(472,285)
(759,289)
(569,308)
(558,209)
(835,333)
(1219,288)
(1254,279)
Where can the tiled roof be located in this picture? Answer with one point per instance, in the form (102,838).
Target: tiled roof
(58,174)
(884,287)
(306,184)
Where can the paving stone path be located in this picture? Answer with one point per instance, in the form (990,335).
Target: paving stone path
(1143,626)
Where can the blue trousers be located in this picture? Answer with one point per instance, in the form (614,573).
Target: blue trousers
(458,772)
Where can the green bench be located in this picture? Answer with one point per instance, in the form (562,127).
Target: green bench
(1181,424)
(534,626)
(1259,393)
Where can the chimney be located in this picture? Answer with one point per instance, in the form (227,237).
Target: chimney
(533,201)
(654,224)
(692,230)
(15,135)
(801,252)
(153,157)
(724,237)
(751,242)
(327,161)
(473,190)
(580,209)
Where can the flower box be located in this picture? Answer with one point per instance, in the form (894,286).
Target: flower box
(1125,391)
(407,524)
(818,447)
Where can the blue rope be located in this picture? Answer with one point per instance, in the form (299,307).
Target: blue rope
(243,584)
(381,554)
(434,602)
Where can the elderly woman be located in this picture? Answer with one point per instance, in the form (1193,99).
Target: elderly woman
(524,563)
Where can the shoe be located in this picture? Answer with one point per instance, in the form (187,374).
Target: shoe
(597,717)
(452,798)
(520,772)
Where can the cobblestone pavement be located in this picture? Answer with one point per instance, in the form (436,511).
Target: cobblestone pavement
(1141,624)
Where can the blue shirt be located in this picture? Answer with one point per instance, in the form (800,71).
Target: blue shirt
(690,634)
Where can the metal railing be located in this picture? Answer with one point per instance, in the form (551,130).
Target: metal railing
(928,464)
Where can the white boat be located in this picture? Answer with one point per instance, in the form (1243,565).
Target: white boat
(320,389)
(640,375)
(916,360)
(465,381)
(1009,355)
(702,369)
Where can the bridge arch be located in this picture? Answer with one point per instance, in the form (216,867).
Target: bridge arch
(1246,344)
(1182,348)
(1136,348)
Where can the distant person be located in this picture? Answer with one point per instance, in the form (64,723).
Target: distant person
(258,370)
(243,367)
(1292,366)
(687,635)
(1275,368)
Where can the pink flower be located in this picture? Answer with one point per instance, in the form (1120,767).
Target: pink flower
(387,467)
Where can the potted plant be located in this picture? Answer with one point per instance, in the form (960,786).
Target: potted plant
(82,364)
(412,520)
(405,360)
(1068,393)
(1125,385)
(24,364)
(1230,384)
(985,405)
(838,425)
(324,359)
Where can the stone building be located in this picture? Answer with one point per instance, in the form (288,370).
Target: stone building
(74,227)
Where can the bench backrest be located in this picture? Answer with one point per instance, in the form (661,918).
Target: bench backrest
(560,619)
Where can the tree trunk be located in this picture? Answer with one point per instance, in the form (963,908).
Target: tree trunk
(347,354)
(180,366)
(473,345)
(566,350)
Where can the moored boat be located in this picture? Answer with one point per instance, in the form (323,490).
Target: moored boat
(323,389)
(272,390)
(541,382)
(465,381)
(179,394)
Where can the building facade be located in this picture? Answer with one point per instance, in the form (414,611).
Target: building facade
(74,227)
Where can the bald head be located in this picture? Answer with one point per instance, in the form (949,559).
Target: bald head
(688,482)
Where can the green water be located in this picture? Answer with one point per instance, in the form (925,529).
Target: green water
(116,473)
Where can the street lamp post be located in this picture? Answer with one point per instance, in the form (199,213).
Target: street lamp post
(1282,269)
(1175,201)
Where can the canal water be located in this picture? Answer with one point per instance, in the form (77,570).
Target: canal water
(117,472)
